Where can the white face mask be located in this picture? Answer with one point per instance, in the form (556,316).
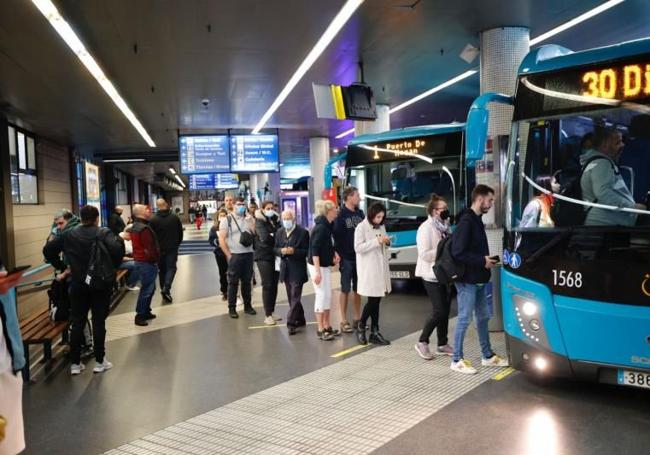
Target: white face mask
(288,224)
(269,213)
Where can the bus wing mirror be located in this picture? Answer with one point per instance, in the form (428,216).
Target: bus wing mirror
(477,125)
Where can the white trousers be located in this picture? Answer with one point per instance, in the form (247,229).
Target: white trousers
(323,297)
(11,408)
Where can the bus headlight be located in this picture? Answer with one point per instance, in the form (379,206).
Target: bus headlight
(528,314)
(529,308)
(540,363)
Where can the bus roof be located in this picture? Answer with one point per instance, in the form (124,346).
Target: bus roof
(552,57)
(405,133)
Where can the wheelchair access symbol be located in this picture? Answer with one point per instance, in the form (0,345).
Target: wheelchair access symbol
(506,257)
(515,261)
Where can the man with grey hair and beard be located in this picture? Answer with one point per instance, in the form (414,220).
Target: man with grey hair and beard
(146,255)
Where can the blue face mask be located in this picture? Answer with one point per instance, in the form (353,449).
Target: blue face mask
(269,213)
(288,224)
(240,209)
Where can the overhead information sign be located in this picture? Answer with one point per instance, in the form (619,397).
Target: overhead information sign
(213,182)
(226,182)
(254,153)
(204,154)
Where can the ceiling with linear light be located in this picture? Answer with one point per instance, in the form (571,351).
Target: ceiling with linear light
(165,56)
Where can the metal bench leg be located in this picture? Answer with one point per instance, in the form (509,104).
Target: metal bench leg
(47,351)
(26,367)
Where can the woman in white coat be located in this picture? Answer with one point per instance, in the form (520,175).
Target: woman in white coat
(371,248)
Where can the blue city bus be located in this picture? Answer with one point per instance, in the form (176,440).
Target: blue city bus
(402,168)
(576,298)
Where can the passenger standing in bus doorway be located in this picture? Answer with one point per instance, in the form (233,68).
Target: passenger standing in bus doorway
(320,260)
(470,248)
(430,233)
(344,225)
(371,245)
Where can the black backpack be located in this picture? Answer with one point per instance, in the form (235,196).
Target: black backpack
(446,269)
(101,270)
(565,213)
(59,304)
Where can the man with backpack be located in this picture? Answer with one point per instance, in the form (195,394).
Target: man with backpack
(469,248)
(146,255)
(93,254)
(236,237)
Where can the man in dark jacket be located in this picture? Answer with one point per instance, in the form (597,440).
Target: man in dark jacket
(343,229)
(77,244)
(146,255)
(115,222)
(292,246)
(169,231)
(266,225)
(470,247)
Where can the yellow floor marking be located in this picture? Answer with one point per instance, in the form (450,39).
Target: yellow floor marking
(349,351)
(503,374)
(252,327)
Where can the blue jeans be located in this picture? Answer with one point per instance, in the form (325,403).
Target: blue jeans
(472,299)
(133,275)
(147,272)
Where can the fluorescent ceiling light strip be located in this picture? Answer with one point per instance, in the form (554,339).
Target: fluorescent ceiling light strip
(544,36)
(180,181)
(575,21)
(47,8)
(128,160)
(335,26)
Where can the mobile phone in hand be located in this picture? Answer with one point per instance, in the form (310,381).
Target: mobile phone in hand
(495,258)
(18,269)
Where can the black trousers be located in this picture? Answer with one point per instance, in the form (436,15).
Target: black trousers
(167,269)
(440,303)
(222,265)
(240,268)
(296,313)
(269,285)
(83,299)
(371,310)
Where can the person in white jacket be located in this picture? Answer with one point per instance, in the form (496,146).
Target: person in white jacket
(371,248)
(430,233)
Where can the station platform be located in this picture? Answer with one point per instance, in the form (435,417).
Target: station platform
(197,382)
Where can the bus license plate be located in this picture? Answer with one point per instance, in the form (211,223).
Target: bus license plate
(400,274)
(634,379)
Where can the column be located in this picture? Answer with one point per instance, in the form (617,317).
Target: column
(379,125)
(319,154)
(274,184)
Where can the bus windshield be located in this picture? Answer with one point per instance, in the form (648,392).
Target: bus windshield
(575,197)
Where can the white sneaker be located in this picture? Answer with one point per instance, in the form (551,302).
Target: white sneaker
(276,318)
(133,288)
(101,367)
(77,368)
(463,366)
(495,361)
(269,320)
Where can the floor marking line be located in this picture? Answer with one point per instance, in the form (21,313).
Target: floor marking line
(252,327)
(349,351)
(503,374)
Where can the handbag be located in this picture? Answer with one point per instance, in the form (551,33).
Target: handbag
(246,239)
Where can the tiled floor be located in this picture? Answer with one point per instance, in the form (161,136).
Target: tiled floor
(351,407)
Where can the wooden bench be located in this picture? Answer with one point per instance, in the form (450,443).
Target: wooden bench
(38,328)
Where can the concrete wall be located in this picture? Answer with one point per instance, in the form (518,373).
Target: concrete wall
(33,222)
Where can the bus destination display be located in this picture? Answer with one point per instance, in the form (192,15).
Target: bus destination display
(204,154)
(254,153)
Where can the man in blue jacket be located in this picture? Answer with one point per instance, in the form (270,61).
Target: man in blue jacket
(12,360)
(470,247)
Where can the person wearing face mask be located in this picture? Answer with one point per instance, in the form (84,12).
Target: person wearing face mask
(430,233)
(601,182)
(538,211)
(236,238)
(291,247)
(371,247)
(470,247)
(219,255)
(266,226)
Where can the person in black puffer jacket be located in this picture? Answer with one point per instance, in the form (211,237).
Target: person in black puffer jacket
(321,257)
(266,225)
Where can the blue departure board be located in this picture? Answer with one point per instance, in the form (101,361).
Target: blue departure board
(202,181)
(254,153)
(204,154)
(226,181)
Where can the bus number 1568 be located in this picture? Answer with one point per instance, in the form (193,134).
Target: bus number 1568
(567,279)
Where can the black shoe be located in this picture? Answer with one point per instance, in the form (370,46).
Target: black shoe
(377,338)
(250,310)
(141,321)
(355,324)
(333,332)
(324,335)
(361,334)
(167,297)
(149,316)
(233,313)
(292,331)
